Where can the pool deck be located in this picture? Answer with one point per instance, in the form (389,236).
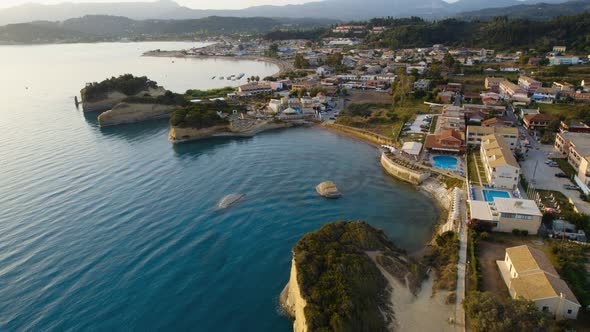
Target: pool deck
(479,196)
(459,168)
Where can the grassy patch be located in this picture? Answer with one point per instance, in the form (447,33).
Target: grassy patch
(472,170)
(433,124)
(567,111)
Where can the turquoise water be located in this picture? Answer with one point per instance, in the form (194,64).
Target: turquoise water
(489,195)
(115,229)
(445,162)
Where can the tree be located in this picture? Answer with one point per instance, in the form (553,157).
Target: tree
(300,62)
(448,60)
(487,313)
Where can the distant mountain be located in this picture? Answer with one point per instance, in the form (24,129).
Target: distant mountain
(103,27)
(345,10)
(539,11)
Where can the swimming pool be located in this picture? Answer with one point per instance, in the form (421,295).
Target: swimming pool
(489,195)
(445,162)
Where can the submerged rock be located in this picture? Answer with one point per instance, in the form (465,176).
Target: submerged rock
(328,189)
(229,200)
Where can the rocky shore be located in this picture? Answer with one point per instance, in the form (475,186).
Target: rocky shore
(240,128)
(293,302)
(123,113)
(112,98)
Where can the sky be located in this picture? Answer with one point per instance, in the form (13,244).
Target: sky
(196,4)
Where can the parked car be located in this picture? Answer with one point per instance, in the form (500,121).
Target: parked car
(561,175)
(583,197)
(570,187)
(553,165)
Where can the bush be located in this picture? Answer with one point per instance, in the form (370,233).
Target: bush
(126,84)
(516,232)
(487,313)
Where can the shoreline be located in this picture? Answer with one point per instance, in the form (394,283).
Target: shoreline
(284,66)
(428,187)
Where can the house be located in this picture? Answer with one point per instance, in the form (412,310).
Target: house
(563,60)
(493,83)
(545,95)
(528,84)
(275,105)
(508,214)
(254,88)
(452,117)
(509,89)
(559,49)
(576,148)
(454,87)
(563,86)
(538,121)
(499,122)
(585,84)
(529,274)
(476,133)
(324,70)
(489,110)
(446,96)
(501,168)
(422,84)
(450,140)
(574,126)
(528,111)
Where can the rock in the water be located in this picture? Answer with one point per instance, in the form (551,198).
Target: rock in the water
(229,200)
(328,189)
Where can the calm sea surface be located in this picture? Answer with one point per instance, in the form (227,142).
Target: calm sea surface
(115,229)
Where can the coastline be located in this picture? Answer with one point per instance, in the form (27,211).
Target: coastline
(284,66)
(431,187)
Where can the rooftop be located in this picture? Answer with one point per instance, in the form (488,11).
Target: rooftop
(580,141)
(497,151)
(518,206)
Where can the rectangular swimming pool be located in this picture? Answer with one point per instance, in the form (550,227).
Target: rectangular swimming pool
(489,195)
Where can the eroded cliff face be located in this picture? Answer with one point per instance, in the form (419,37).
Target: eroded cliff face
(183,134)
(292,301)
(129,113)
(113,98)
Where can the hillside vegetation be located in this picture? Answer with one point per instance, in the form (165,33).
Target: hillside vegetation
(343,287)
(126,84)
(498,33)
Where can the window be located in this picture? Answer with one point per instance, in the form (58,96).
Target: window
(569,311)
(545,308)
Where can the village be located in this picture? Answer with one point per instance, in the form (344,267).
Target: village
(513,125)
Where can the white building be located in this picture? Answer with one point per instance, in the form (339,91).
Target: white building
(529,274)
(563,60)
(508,214)
(501,168)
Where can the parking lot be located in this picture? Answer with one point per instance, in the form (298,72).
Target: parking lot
(420,120)
(542,176)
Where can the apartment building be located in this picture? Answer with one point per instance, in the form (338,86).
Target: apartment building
(501,168)
(528,84)
(576,148)
(493,83)
(475,135)
(508,214)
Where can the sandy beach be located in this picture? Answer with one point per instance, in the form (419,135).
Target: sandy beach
(284,66)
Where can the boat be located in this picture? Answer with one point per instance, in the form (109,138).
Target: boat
(241,75)
(213,77)
(221,77)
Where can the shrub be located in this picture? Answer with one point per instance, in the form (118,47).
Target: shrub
(516,232)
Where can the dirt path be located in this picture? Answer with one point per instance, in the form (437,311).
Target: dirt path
(423,312)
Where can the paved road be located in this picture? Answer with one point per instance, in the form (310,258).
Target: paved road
(461,269)
(544,176)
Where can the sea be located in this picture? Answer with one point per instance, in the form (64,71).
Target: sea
(116,229)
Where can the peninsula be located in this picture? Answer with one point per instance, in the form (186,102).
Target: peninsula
(337,280)
(128,99)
